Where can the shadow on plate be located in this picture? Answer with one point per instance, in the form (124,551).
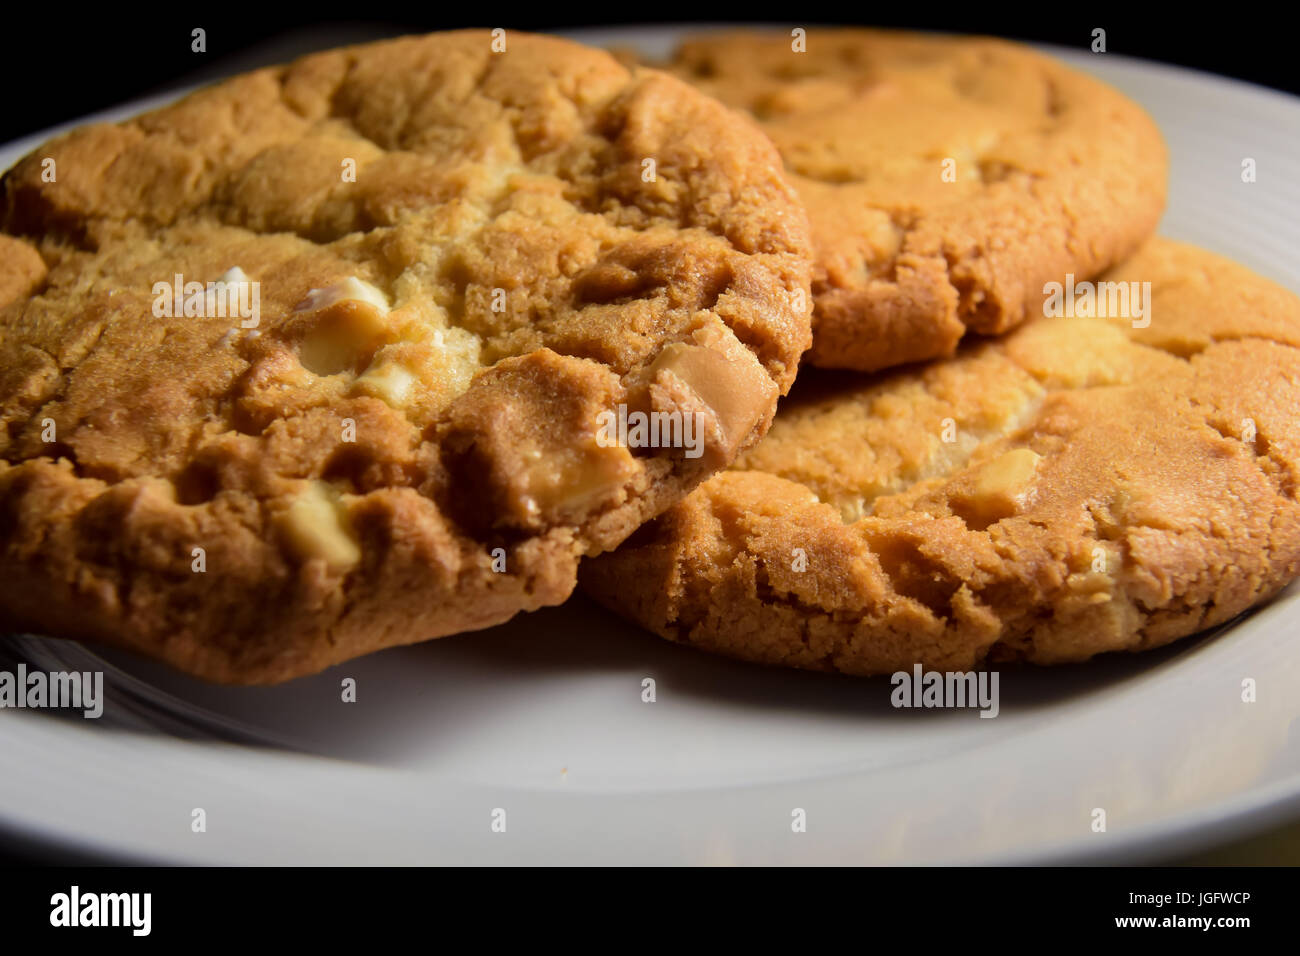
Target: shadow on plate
(409,697)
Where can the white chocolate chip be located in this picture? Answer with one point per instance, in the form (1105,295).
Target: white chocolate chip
(735,388)
(351,323)
(1008,476)
(1003,486)
(571,480)
(316,525)
(390,382)
(351,288)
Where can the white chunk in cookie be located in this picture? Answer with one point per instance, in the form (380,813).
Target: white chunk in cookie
(349,289)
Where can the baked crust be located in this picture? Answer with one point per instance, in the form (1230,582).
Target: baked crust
(1053,172)
(481,179)
(1106,488)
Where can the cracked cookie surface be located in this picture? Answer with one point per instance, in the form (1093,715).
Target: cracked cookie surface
(1079,486)
(461,258)
(946,178)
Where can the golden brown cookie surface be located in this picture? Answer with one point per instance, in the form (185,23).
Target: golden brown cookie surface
(946,178)
(1082,485)
(313,362)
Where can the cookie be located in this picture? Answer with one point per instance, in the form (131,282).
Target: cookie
(321,359)
(1080,486)
(946,178)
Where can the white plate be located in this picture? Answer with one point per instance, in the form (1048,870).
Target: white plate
(543,717)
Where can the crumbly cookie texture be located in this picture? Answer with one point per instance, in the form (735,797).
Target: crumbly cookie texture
(462,258)
(946,178)
(1080,486)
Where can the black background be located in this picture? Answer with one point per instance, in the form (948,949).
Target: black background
(331,911)
(61,63)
